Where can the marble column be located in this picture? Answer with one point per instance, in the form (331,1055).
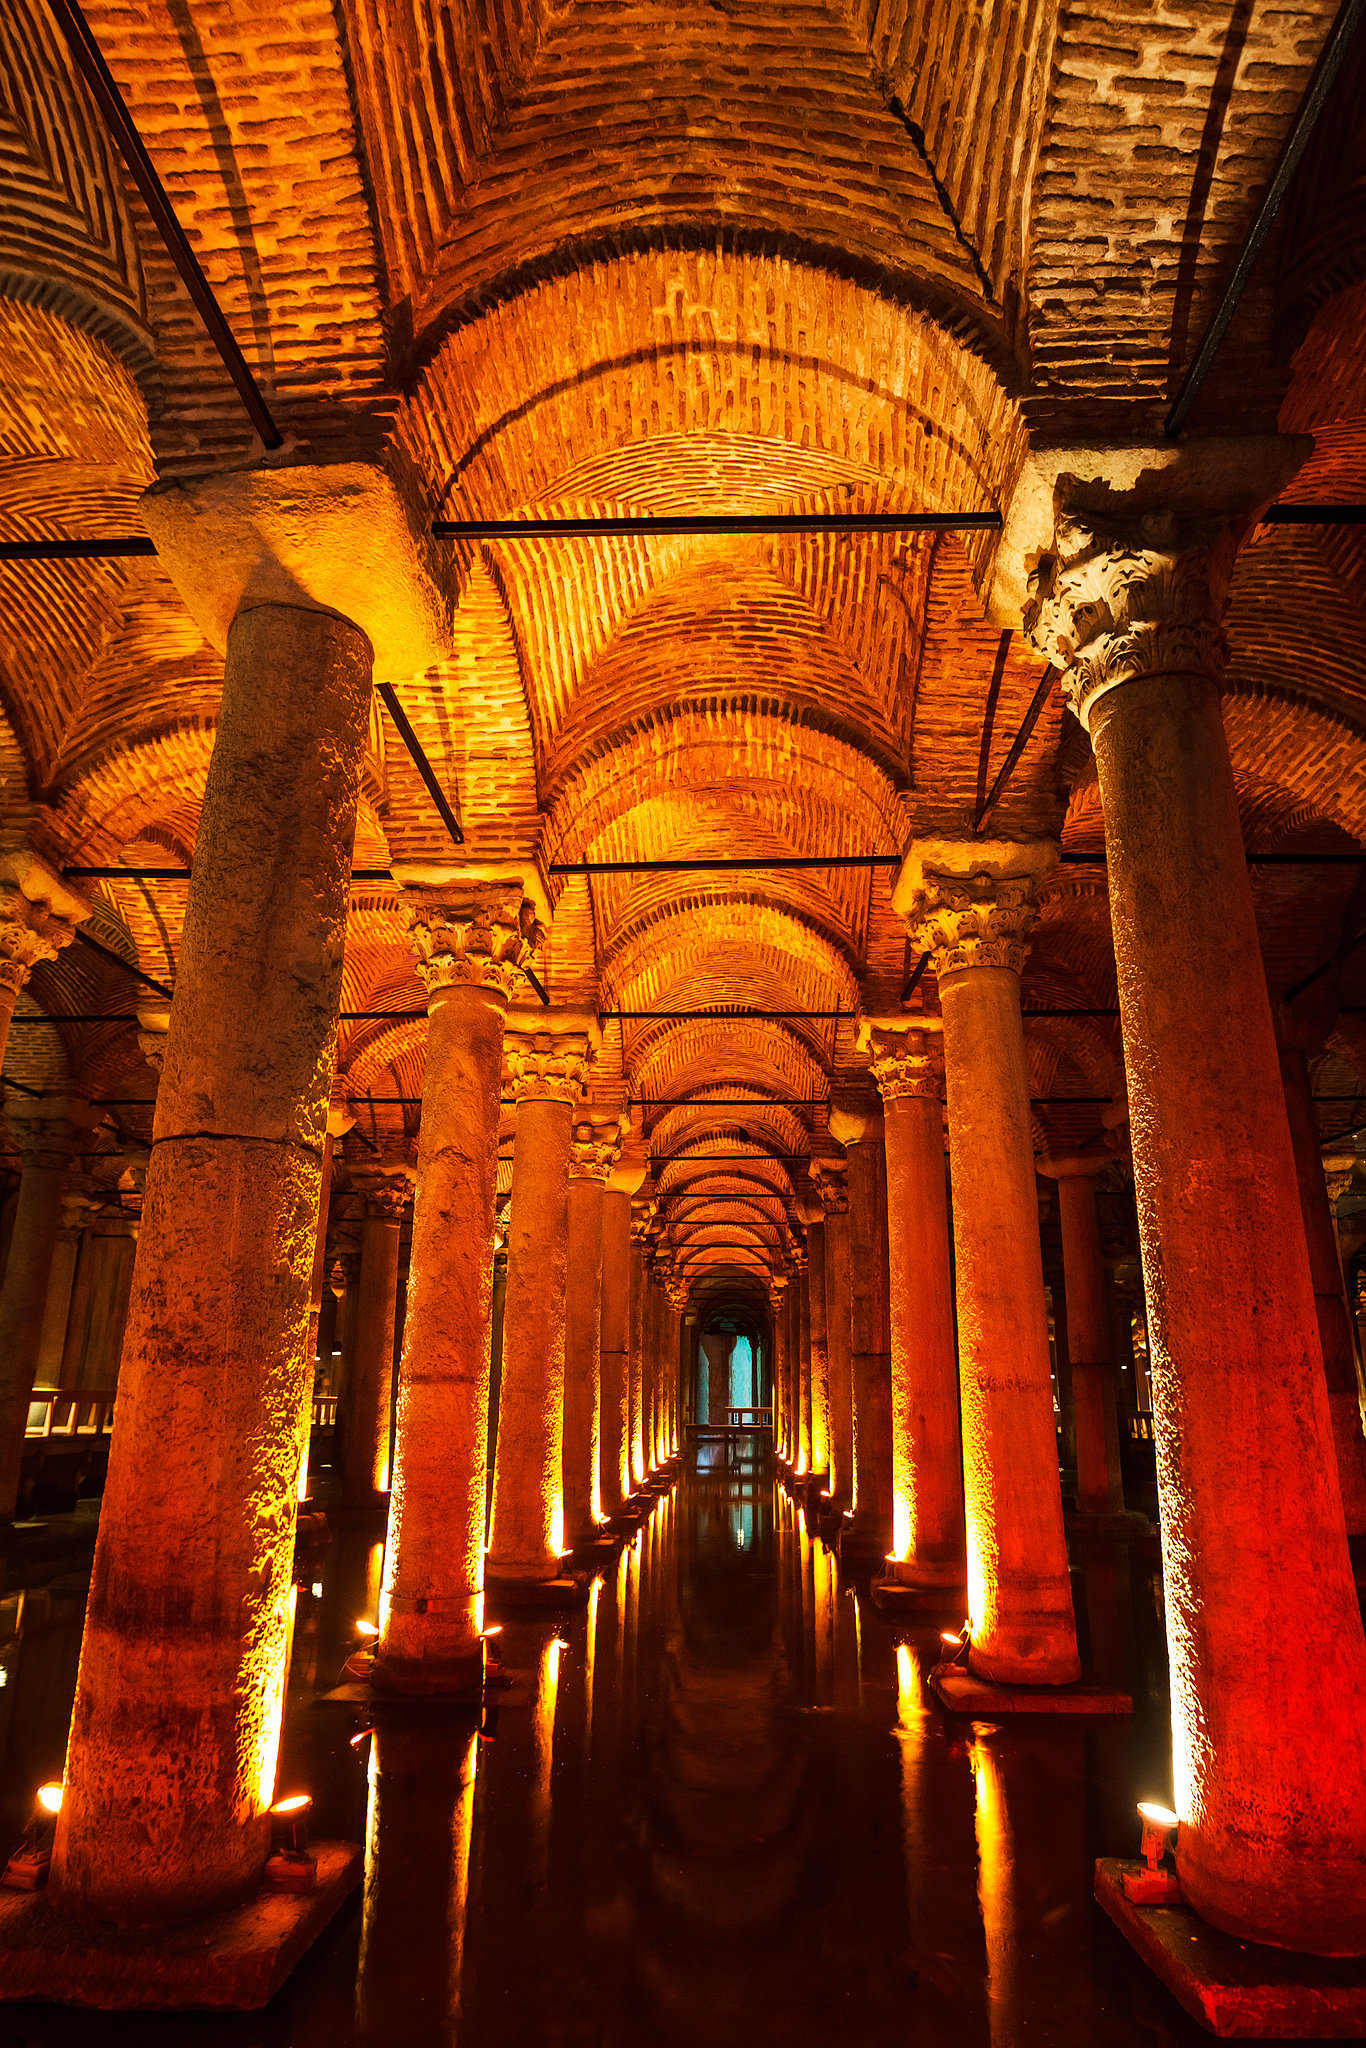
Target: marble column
(45,1141)
(927,1451)
(832,1187)
(969,904)
(597,1144)
(1100,1476)
(172,1752)
(366,1446)
(472,936)
(78,1205)
(640,1226)
(782,1365)
(813,1216)
(868,1532)
(1268,1661)
(99,1301)
(546,1059)
(803,1313)
(615,1477)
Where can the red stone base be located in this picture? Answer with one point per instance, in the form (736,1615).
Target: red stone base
(505,1594)
(964,1693)
(894,1596)
(1238,1989)
(230,1962)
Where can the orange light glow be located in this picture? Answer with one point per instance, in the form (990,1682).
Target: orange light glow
(1160,1816)
(295,1803)
(366,1628)
(50,1798)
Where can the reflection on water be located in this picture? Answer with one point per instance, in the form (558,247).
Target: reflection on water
(717,1804)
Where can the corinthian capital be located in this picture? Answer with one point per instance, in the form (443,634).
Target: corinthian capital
(547,1058)
(1114,602)
(907,1057)
(830,1178)
(38,916)
(596,1149)
(473,931)
(970,902)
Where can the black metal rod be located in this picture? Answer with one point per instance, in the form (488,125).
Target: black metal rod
(389,698)
(95,946)
(728,1016)
(667,525)
(1314,515)
(76,550)
(1292,149)
(700,866)
(797,1101)
(97,75)
(537,986)
(1017,747)
(123,874)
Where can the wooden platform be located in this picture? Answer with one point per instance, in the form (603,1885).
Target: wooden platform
(1238,1989)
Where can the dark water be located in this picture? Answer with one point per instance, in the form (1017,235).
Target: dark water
(717,1806)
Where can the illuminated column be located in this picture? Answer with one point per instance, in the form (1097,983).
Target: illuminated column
(649,1362)
(1100,1479)
(813,1215)
(970,905)
(45,1143)
(831,1185)
(1268,1663)
(640,1226)
(597,1144)
(547,1057)
(1330,1299)
(860,1131)
(472,938)
(171,1758)
(38,916)
(927,1452)
(803,1313)
(778,1297)
(369,1393)
(615,1439)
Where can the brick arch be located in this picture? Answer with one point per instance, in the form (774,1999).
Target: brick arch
(676,1057)
(648,959)
(678,1128)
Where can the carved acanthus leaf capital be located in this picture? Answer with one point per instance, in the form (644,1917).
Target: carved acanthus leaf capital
(547,1066)
(477,934)
(908,1064)
(38,915)
(596,1150)
(970,903)
(1111,603)
(830,1179)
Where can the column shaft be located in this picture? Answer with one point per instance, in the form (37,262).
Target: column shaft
(1100,1480)
(804,1464)
(615,1436)
(23,1300)
(870,1531)
(820,1357)
(634,1380)
(582,1348)
(838,1310)
(369,1395)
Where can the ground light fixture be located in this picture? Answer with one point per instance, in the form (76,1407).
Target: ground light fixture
(956,1646)
(28,1867)
(1154,1885)
(290,1867)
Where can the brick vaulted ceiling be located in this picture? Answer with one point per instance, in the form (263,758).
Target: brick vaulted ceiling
(716,255)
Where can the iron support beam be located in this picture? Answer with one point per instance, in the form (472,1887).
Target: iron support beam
(712,525)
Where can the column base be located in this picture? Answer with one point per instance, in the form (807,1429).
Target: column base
(963,1692)
(1238,1989)
(894,1595)
(570,1589)
(451,1682)
(862,1543)
(233,1961)
(1115,1525)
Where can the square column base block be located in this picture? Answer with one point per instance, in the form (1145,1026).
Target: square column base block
(894,1596)
(229,1962)
(505,1595)
(1122,1527)
(962,1692)
(1240,1990)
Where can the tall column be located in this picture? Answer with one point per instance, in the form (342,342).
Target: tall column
(366,1449)
(803,1312)
(869,1531)
(597,1143)
(970,905)
(813,1216)
(927,1452)
(778,1295)
(99,1303)
(472,937)
(832,1187)
(546,1058)
(1268,1662)
(640,1224)
(38,916)
(1330,1298)
(77,1207)
(616,1480)
(45,1145)
(171,1757)
(1100,1477)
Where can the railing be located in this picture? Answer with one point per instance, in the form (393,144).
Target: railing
(750,1418)
(324,1411)
(70,1411)
(1141,1428)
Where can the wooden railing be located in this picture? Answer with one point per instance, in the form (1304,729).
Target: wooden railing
(70,1411)
(750,1418)
(1141,1428)
(324,1411)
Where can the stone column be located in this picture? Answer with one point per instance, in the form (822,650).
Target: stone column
(546,1058)
(803,1314)
(782,1365)
(717,1349)
(868,1533)
(44,1142)
(172,1752)
(597,1144)
(927,1451)
(38,916)
(366,1447)
(99,1302)
(1325,1268)
(1100,1477)
(969,904)
(472,936)
(616,1480)
(813,1216)
(640,1224)
(1268,1662)
(831,1185)
(77,1208)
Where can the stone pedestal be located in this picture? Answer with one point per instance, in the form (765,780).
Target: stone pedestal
(969,904)
(927,1458)
(1268,1662)
(546,1060)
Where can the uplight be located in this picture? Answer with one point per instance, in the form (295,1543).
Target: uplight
(50,1798)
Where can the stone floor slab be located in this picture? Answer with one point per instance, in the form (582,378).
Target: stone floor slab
(230,1962)
(1238,1989)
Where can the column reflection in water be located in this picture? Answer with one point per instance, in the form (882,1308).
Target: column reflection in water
(937,1835)
(417,1873)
